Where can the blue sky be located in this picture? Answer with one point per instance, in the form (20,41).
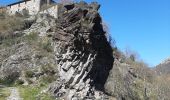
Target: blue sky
(142,25)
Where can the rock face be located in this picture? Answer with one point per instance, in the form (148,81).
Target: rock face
(83,55)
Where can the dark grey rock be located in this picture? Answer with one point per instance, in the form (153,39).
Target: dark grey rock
(83,55)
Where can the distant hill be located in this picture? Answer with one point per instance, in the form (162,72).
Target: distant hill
(163,68)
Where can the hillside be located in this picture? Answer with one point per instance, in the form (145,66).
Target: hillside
(163,68)
(71,58)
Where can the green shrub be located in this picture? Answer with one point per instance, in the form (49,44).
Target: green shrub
(31,38)
(19,82)
(11,23)
(4,93)
(29,74)
(46,79)
(33,93)
(6,81)
(45,44)
(9,40)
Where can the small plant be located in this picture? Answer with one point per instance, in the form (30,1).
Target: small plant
(46,79)
(48,69)
(8,81)
(4,93)
(19,82)
(11,23)
(29,74)
(47,46)
(31,37)
(33,93)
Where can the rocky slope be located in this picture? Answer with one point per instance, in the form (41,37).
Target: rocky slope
(73,55)
(72,49)
(83,55)
(163,68)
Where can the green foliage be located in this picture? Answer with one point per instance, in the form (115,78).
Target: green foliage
(4,93)
(48,69)
(47,79)
(19,82)
(40,43)
(11,23)
(49,72)
(31,37)
(7,81)
(47,46)
(33,93)
(9,41)
(29,73)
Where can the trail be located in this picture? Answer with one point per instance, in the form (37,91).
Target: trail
(14,94)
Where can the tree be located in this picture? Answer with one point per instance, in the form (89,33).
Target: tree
(132,55)
(111,41)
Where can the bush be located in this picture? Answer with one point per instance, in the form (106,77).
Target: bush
(33,93)
(29,74)
(7,81)
(47,46)
(4,93)
(9,40)
(11,23)
(31,37)
(19,82)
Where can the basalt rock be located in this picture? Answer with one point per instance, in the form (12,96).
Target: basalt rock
(82,52)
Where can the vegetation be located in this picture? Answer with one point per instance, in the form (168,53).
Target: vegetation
(34,93)
(8,81)
(4,93)
(29,73)
(139,81)
(10,23)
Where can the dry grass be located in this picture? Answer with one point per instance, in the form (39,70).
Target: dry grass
(4,93)
(9,24)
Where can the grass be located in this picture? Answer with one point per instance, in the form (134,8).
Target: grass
(11,23)
(33,93)
(4,93)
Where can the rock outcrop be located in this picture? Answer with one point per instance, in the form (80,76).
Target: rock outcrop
(82,52)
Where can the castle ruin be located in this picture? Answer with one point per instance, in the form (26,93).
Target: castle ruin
(33,7)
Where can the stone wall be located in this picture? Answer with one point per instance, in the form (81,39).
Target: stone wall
(53,11)
(33,6)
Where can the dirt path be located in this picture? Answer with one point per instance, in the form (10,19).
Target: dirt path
(14,94)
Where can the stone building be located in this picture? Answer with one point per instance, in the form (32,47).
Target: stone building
(32,6)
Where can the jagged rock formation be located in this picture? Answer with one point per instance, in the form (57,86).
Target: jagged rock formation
(73,54)
(83,55)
